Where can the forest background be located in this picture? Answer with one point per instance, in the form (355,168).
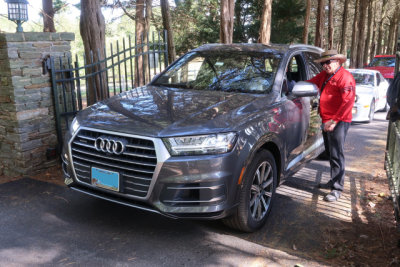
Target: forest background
(360,29)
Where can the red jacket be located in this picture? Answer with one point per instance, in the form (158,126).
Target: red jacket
(337,97)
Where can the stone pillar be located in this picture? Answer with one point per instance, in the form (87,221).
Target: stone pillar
(27,119)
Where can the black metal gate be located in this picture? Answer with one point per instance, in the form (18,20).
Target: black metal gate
(392,159)
(71,79)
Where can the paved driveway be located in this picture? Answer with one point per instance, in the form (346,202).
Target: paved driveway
(49,225)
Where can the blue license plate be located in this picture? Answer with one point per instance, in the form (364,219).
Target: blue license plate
(105,179)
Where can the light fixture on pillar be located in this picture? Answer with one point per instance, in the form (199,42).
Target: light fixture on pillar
(18,12)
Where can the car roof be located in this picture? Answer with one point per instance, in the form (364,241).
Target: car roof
(385,56)
(256,47)
(363,70)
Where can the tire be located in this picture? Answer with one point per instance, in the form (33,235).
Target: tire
(371,111)
(257,194)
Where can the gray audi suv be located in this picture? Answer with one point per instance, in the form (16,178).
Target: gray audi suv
(211,137)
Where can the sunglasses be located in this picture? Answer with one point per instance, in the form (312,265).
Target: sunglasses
(328,62)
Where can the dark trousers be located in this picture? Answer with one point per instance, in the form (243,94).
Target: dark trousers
(334,145)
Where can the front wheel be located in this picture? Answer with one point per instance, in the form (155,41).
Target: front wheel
(371,111)
(256,195)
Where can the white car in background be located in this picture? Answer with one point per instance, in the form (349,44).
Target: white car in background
(371,88)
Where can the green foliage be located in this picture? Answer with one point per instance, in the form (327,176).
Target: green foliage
(195,23)
(286,22)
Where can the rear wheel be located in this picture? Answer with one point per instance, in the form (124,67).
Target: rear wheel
(371,111)
(256,194)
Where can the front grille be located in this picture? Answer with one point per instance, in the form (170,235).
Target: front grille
(135,165)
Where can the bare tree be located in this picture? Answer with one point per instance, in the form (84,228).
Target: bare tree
(306,22)
(374,29)
(264,35)
(92,29)
(330,24)
(167,26)
(354,40)
(48,16)
(319,27)
(361,33)
(227,21)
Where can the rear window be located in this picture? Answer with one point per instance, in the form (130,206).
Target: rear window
(382,62)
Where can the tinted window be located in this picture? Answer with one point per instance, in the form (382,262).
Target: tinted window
(363,78)
(314,68)
(383,61)
(231,72)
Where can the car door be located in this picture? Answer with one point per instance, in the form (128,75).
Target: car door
(297,111)
(382,90)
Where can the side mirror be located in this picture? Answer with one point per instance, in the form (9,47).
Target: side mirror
(305,89)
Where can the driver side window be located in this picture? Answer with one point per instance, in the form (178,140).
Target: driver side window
(294,73)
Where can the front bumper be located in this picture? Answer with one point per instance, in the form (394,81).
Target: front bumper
(181,187)
(360,112)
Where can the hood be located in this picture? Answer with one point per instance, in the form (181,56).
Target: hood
(364,89)
(387,72)
(159,111)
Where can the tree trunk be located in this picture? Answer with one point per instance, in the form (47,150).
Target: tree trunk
(373,40)
(139,32)
(92,29)
(369,30)
(264,34)
(380,28)
(306,22)
(392,31)
(48,16)
(147,17)
(343,42)
(330,25)
(361,33)
(353,55)
(396,47)
(227,20)
(166,17)
(319,26)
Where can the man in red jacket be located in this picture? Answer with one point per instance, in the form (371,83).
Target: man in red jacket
(337,94)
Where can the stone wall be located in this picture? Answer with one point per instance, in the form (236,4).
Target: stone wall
(27,120)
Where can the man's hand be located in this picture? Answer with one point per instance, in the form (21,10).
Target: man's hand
(329,126)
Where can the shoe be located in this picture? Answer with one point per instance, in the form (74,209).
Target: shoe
(333,196)
(328,185)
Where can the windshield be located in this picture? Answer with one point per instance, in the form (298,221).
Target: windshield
(229,71)
(383,62)
(363,78)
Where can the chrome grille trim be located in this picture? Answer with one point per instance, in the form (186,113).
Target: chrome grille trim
(138,167)
(99,162)
(113,158)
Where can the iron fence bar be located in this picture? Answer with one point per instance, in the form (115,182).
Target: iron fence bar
(119,68)
(93,78)
(136,62)
(154,56)
(148,56)
(78,82)
(113,68)
(166,50)
(56,103)
(125,67)
(72,85)
(130,58)
(142,45)
(101,89)
(63,92)
(86,80)
(159,50)
(106,72)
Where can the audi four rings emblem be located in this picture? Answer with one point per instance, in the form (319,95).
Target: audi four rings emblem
(110,145)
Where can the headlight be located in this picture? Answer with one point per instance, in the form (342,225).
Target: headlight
(200,144)
(74,126)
